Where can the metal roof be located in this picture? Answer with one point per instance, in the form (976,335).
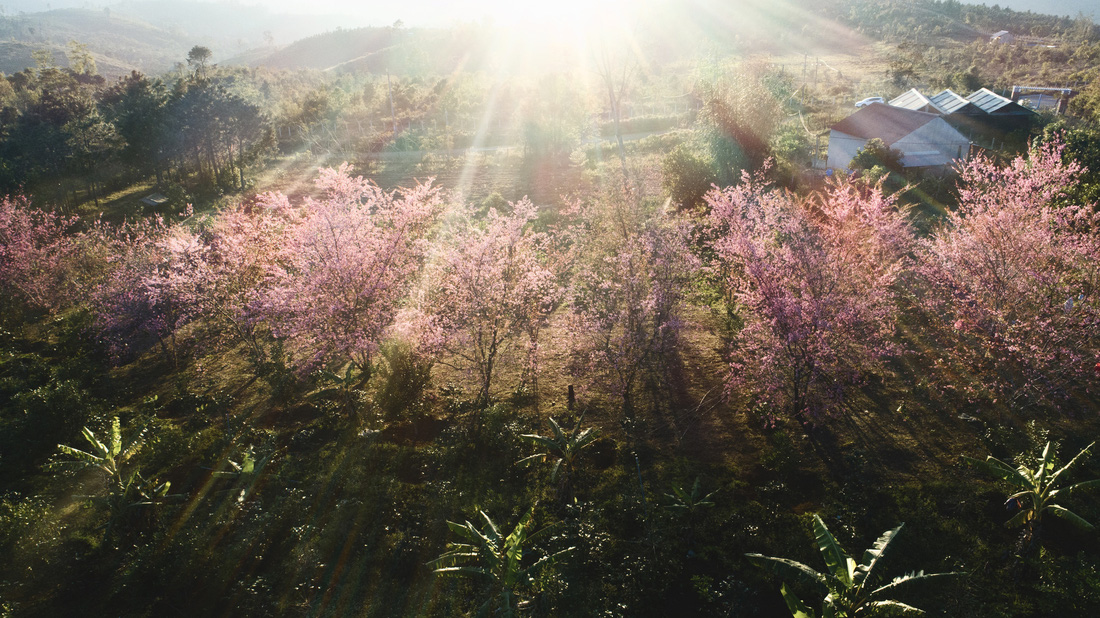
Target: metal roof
(949,101)
(913,99)
(990,101)
(885,122)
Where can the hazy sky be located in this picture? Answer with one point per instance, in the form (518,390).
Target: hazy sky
(378,12)
(442,12)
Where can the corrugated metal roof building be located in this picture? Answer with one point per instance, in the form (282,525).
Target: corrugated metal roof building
(914,100)
(924,139)
(983,113)
(992,103)
(953,103)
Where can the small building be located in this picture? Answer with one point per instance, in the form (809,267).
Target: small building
(953,103)
(1001,113)
(924,139)
(960,112)
(1004,36)
(946,103)
(995,105)
(982,117)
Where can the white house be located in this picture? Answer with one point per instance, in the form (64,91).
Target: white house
(924,139)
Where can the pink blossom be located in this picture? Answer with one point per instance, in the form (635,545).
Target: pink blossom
(38,254)
(344,267)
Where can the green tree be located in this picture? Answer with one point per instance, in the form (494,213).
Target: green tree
(92,142)
(198,57)
(248,134)
(1083,146)
(875,153)
(849,588)
(687,177)
(740,114)
(81,61)
(43,60)
(138,107)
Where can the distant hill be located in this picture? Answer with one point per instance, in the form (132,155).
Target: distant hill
(666,32)
(150,35)
(378,50)
(1071,8)
(230,28)
(153,35)
(118,43)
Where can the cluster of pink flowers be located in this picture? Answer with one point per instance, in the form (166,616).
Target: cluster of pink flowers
(36,255)
(344,267)
(628,295)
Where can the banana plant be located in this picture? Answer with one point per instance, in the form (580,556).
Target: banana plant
(499,560)
(1039,488)
(245,474)
(687,506)
(684,503)
(849,588)
(344,391)
(106,459)
(125,490)
(563,448)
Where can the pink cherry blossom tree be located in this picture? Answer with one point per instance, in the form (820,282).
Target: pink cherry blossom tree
(37,255)
(490,285)
(1013,280)
(813,283)
(633,270)
(131,308)
(242,245)
(345,267)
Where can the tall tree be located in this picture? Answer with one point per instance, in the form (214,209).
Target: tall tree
(197,58)
(1014,282)
(138,107)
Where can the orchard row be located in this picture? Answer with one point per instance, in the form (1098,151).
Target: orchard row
(818,293)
